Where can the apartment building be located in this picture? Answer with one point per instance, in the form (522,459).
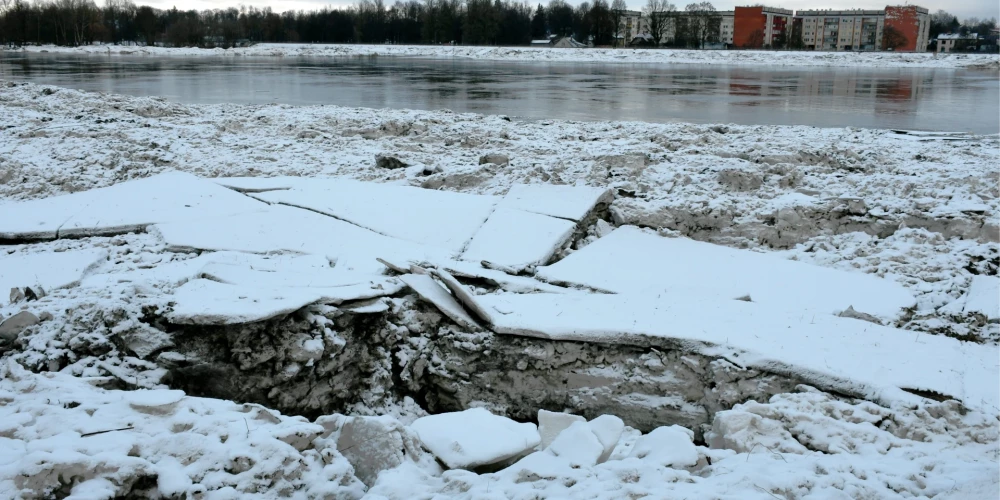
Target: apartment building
(759,26)
(833,30)
(841,29)
(838,30)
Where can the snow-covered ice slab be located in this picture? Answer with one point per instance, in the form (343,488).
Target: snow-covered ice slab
(508,282)
(983,297)
(128,206)
(474,437)
(206,302)
(517,239)
(840,353)
(50,270)
(332,285)
(281,228)
(630,261)
(441,218)
(428,289)
(565,202)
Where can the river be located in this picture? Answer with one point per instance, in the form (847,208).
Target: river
(914,99)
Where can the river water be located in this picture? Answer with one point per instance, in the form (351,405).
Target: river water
(915,99)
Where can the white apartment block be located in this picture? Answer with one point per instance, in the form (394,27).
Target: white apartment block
(842,29)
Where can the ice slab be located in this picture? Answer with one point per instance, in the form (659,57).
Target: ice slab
(128,206)
(282,228)
(474,437)
(206,302)
(507,282)
(260,184)
(840,353)
(440,218)
(630,261)
(983,297)
(565,202)
(428,289)
(333,285)
(51,270)
(517,239)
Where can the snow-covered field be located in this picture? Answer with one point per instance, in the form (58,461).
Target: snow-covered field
(727,275)
(750,58)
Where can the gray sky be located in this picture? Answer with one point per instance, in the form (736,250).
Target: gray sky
(961,8)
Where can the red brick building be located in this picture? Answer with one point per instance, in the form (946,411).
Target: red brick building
(757,27)
(912,22)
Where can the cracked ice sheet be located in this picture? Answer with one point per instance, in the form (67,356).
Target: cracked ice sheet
(281,228)
(440,218)
(565,202)
(206,302)
(840,353)
(632,261)
(51,270)
(334,286)
(517,239)
(128,206)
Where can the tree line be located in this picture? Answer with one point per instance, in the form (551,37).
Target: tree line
(467,22)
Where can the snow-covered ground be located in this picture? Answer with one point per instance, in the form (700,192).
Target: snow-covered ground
(750,58)
(148,275)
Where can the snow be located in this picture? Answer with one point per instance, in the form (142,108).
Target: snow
(632,261)
(577,55)
(428,289)
(668,447)
(50,270)
(124,207)
(565,202)
(206,302)
(847,355)
(516,239)
(191,447)
(551,424)
(920,215)
(578,445)
(437,218)
(474,437)
(984,297)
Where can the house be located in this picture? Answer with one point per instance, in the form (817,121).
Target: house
(541,43)
(954,42)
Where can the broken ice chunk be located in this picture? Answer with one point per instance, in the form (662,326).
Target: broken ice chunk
(578,445)
(565,202)
(551,423)
(205,302)
(474,437)
(50,270)
(517,239)
(630,260)
(127,206)
(428,289)
(667,447)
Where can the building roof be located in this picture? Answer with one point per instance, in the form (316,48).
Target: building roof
(957,36)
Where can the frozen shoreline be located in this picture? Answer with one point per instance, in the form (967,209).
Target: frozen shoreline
(918,210)
(527,54)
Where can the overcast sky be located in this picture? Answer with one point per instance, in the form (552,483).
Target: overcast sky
(960,8)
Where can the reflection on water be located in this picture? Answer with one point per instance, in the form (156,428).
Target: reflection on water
(925,99)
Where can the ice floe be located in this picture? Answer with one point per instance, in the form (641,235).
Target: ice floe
(630,260)
(49,270)
(128,206)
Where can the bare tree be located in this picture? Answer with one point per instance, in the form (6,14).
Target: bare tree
(657,14)
(618,8)
(704,23)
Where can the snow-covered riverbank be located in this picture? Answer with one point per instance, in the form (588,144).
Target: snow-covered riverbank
(148,288)
(722,57)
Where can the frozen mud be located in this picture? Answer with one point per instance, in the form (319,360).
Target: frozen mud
(654,415)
